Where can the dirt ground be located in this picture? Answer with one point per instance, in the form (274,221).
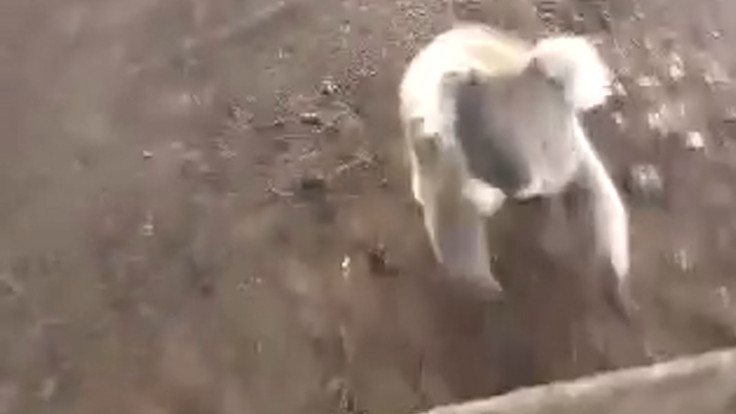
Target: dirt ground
(204,209)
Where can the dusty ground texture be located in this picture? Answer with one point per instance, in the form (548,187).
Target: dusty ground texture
(204,209)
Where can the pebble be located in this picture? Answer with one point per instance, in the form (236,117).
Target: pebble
(676,68)
(48,388)
(312,183)
(235,111)
(345,267)
(655,121)
(12,284)
(730,115)
(676,72)
(378,262)
(645,182)
(694,141)
(619,89)
(716,74)
(328,87)
(648,82)
(618,118)
(310,118)
(683,260)
(725,297)
(147,229)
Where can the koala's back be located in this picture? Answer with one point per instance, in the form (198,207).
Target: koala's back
(516,131)
(465,47)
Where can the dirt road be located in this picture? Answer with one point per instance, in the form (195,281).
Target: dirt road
(204,209)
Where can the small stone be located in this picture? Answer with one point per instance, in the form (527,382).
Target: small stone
(715,74)
(147,229)
(378,262)
(328,87)
(10,283)
(618,118)
(277,123)
(235,111)
(48,388)
(694,141)
(336,385)
(683,260)
(645,182)
(247,284)
(147,155)
(676,72)
(339,389)
(345,267)
(312,183)
(282,53)
(648,82)
(725,297)
(730,115)
(655,121)
(619,89)
(310,118)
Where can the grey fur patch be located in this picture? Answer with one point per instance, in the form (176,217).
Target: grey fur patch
(512,129)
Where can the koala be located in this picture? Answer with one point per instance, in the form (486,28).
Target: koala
(486,117)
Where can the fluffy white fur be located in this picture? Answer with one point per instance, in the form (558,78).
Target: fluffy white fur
(611,220)
(571,61)
(575,63)
(466,47)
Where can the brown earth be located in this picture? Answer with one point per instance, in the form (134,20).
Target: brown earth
(204,209)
